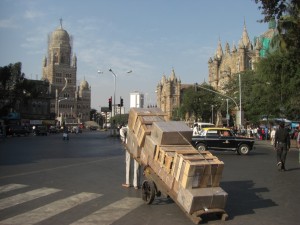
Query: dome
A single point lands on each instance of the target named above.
(60, 36)
(84, 85)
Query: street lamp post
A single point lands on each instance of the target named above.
(240, 90)
(115, 84)
(227, 115)
(239, 107)
(115, 88)
(212, 113)
(58, 106)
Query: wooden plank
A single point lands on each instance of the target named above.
(150, 146)
(142, 132)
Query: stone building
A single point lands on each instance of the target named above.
(70, 103)
(230, 62)
(169, 93)
(222, 67)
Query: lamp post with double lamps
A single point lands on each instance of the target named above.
(238, 107)
(115, 86)
(58, 108)
(115, 89)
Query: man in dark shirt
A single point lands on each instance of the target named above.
(282, 145)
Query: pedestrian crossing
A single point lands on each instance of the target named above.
(104, 215)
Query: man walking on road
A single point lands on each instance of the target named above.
(123, 135)
(282, 145)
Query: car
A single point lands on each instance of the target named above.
(222, 139)
(76, 130)
(17, 130)
(53, 130)
(40, 130)
(93, 127)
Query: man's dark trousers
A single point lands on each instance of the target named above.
(281, 154)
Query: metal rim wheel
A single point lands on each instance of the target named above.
(244, 149)
(148, 191)
(201, 147)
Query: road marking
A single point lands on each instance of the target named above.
(24, 197)
(61, 167)
(111, 213)
(49, 210)
(11, 187)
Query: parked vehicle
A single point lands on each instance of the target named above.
(76, 130)
(93, 127)
(222, 139)
(17, 130)
(40, 130)
(53, 130)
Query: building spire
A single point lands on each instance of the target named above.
(245, 37)
(60, 21)
(219, 52)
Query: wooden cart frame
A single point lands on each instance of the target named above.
(153, 187)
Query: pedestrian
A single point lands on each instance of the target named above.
(136, 166)
(272, 135)
(282, 145)
(195, 130)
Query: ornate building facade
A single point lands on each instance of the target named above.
(222, 67)
(230, 62)
(70, 103)
(169, 93)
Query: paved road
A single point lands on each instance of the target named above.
(44, 180)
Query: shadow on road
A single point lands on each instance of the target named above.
(243, 198)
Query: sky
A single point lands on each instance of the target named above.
(148, 37)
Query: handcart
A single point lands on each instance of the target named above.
(173, 167)
(153, 187)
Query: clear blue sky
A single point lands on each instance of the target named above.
(149, 37)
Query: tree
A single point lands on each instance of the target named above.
(197, 102)
(93, 112)
(121, 119)
(250, 108)
(11, 87)
(287, 14)
(280, 77)
(281, 70)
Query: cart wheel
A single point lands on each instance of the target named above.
(148, 191)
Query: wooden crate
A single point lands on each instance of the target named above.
(144, 157)
(147, 120)
(193, 200)
(165, 154)
(150, 146)
(200, 173)
(171, 133)
(178, 160)
(132, 144)
(143, 130)
(174, 148)
(135, 112)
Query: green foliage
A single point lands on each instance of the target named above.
(120, 119)
(93, 113)
(11, 87)
(287, 14)
(198, 102)
(278, 79)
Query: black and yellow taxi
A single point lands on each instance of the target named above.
(222, 139)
